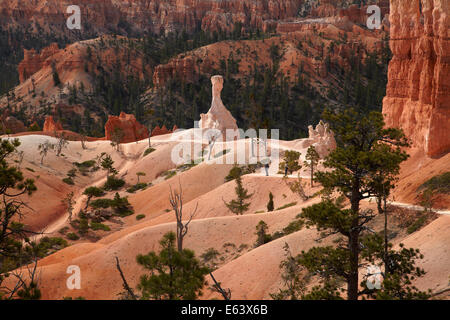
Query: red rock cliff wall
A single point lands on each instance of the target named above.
(33, 62)
(149, 15)
(418, 91)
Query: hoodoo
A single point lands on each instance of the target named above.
(51, 126)
(219, 117)
(131, 129)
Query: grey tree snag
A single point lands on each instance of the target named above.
(176, 201)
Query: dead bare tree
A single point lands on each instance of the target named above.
(61, 143)
(297, 187)
(83, 139)
(176, 201)
(116, 138)
(44, 148)
(20, 156)
(130, 293)
(226, 294)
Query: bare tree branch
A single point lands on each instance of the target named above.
(124, 281)
(226, 294)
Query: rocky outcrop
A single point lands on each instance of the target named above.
(33, 61)
(12, 125)
(418, 90)
(182, 69)
(77, 66)
(157, 131)
(127, 128)
(51, 126)
(322, 138)
(218, 117)
(145, 15)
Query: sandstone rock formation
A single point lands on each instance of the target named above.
(418, 90)
(33, 62)
(157, 131)
(51, 126)
(218, 117)
(181, 68)
(322, 138)
(130, 129)
(75, 69)
(145, 15)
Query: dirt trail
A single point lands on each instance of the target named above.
(413, 207)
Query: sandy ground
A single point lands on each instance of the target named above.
(250, 273)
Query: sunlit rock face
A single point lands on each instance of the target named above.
(131, 129)
(418, 90)
(51, 126)
(322, 138)
(218, 117)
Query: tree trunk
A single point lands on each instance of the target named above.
(180, 237)
(353, 281)
(149, 136)
(386, 246)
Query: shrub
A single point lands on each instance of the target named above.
(270, 205)
(292, 227)
(440, 183)
(68, 181)
(237, 171)
(148, 151)
(210, 254)
(85, 164)
(209, 258)
(138, 186)
(99, 226)
(63, 230)
(169, 174)
(287, 205)
(417, 224)
(187, 166)
(261, 233)
(112, 183)
(34, 127)
(101, 203)
(291, 158)
(234, 173)
(140, 217)
(121, 206)
(73, 236)
(83, 226)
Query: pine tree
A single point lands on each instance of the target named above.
(13, 233)
(270, 205)
(174, 275)
(312, 158)
(107, 164)
(261, 233)
(365, 150)
(291, 159)
(239, 206)
(92, 192)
